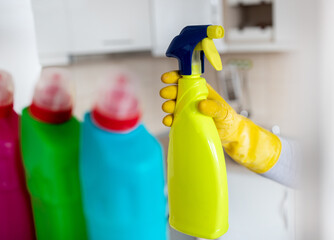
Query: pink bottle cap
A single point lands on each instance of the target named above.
(6, 93)
(52, 101)
(117, 106)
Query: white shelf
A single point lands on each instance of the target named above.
(250, 34)
(247, 2)
(277, 37)
(258, 48)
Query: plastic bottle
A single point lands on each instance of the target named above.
(121, 167)
(197, 184)
(50, 148)
(16, 221)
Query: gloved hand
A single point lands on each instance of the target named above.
(244, 141)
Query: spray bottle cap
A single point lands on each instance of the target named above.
(52, 101)
(6, 93)
(196, 38)
(117, 107)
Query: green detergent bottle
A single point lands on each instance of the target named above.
(50, 149)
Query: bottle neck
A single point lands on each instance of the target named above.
(6, 110)
(194, 76)
(49, 116)
(113, 124)
(196, 63)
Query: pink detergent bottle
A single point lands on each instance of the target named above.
(16, 221)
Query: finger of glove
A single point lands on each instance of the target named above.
(213, 95)
(171, 77)
(168, 106)
(212, 108)
(224, 118)
(168, 120)
(169, 92)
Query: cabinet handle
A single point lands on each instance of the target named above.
(284, 209)
(109, 42)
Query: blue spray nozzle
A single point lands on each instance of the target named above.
(183, 46)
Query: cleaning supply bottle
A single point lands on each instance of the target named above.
(50, 148)
(121, 168)
(16, 221)
(197, 184)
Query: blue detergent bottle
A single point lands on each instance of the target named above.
(121, 168)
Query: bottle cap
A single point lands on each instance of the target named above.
(117, 107)
(6, 93)
(52, 101)
(196, 39)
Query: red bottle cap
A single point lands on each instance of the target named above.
(117, 107)
(52, 101)
(6, 93)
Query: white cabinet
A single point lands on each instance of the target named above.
(102, 26)
(75, 27)
(169, 17)
(259, 208)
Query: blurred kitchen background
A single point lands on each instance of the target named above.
(268, 54)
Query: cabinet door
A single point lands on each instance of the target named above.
(109, 26)
(169, 17)
(259, 208)
(175, 235)
(51, 31)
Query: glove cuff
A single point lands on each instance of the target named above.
(253, 146)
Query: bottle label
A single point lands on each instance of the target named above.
(8, 165)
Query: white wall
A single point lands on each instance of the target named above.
(18, 53)
(326, 71)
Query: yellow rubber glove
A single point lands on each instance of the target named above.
(244, 141)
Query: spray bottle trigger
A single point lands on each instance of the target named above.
(211, 53)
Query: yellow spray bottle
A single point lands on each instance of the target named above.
(197, 183)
